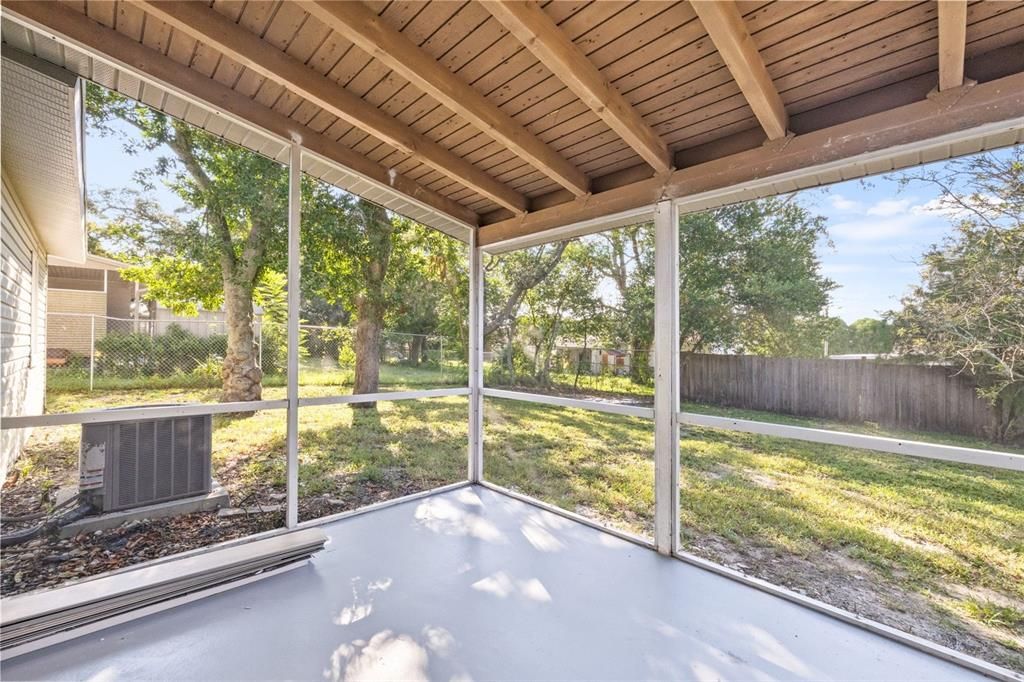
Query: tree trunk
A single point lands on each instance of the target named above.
(367, 347)
(1010, 408)
(241, 375)
(639, 368)
(416, 350)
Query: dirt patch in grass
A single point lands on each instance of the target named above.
(855, 586)
(355, 496)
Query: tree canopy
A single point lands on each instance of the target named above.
(361, 263)
(968, 309)
(750, 276)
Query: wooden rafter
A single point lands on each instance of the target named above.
(952, 42)
(220, 33)
(80, 30)
(991, 102)
(724, 24)
(528, 22)
(359, 24)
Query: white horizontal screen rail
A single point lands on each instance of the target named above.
(949, 453)
(595, 405)
(104, 416)
(383, 396)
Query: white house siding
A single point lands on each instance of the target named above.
(204, 323)
(71, 324)
(22, 322)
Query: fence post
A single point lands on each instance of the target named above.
(92, 349)
(259, 343)
(135, 312)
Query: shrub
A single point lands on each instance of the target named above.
(175, 351)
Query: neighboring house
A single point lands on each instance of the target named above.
(590, 359)
(43, 211)
(87, 300)
(595, 360)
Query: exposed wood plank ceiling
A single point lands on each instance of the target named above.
(724, 24)
(362, 26)
(532, 27)
(493, 113)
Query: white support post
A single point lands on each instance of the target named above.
(666, 378)
(476, 356)
(294, 271)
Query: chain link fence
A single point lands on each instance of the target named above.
(96, 352)
(328, 355)
(571, 369)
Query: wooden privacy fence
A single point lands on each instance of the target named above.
(913, 397)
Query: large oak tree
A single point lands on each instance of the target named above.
(968, 309)
(216, 255)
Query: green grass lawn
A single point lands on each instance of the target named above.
(926, 546)
(595, 464)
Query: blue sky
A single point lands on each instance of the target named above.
(108, 166)
(879, 230)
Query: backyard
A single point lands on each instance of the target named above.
(931, 548)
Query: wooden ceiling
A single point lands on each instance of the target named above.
(499, 111)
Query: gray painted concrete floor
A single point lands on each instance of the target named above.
(472, 584)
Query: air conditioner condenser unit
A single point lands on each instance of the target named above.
(138, 462)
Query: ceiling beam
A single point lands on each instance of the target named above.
(215, 30)
(952, 43)
(359, 24)
(993, 102)
(724, 24)
(531, 25)
(81, 31)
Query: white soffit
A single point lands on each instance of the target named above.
(42, 155)
(136, 86)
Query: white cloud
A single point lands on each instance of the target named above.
(876, 230)
(952, 209)
(841, 203)
(842, 268)
(890, 207)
